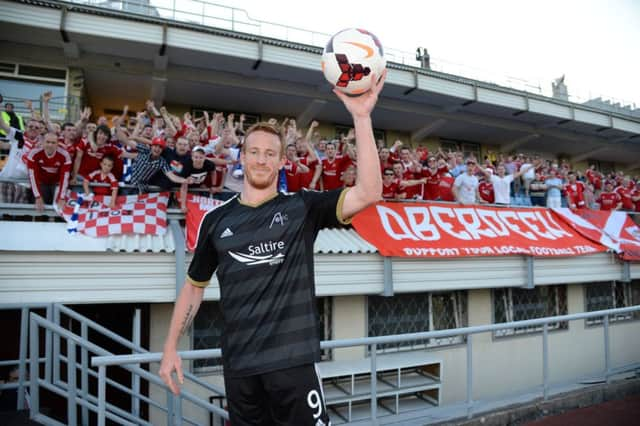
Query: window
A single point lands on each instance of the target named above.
(468, 149)
(610, 295)
(414, 313)
(207, 333)
(518, 304)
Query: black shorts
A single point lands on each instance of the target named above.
(292, 396)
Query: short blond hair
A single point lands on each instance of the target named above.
(263, 126)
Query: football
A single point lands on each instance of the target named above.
(350, 58)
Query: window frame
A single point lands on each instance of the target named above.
(627, 292)
(559, 291)
(460, 318)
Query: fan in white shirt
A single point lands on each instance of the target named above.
(502, 183)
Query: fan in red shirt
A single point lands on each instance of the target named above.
(386, 161)
(434, 170)
(485, 189)
(48, 166)
(594, 177)
(31, 136)
(390, 188)
(332, 168)
(308, 157)
(635, 196)
(625, 193)
(293, 168)
(446, 187)
(608, 199)
(103, 176)
(575, 192)
(91, 151)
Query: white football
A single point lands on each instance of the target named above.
(350, 58)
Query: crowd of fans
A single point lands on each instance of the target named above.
(503, 180)
(156, 150)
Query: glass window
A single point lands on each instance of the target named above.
(518, 304)
(414, 313)
(611, 295)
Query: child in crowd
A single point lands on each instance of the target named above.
(103, 176)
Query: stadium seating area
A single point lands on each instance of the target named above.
(201, 154)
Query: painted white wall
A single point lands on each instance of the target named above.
(160, 316)
(349, 322)
(501, 366)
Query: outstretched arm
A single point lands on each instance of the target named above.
(368, 188)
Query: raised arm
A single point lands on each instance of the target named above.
(522, 171)
(368, 187)
(46, 97)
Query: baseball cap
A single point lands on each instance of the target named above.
(198, 148)
(159, 141)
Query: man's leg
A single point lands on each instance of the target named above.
(246, 401)
(296, 397)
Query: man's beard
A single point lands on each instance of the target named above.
(263, 182)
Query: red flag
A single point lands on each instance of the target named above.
(197, 207)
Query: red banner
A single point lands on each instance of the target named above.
(451, 230)
(197, 207)
(614, 229)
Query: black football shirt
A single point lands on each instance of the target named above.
(263, 259)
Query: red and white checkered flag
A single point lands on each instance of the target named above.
(134, 214)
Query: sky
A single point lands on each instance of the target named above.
(595, 44)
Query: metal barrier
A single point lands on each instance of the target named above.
(61, 108)
(21, 362)
(54, 358)
(126, 361)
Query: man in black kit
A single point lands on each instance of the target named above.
(260, 245)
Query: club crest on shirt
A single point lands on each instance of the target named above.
(278, 219)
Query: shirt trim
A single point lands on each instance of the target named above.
(342, 220)
(266, 200)
(201, 284)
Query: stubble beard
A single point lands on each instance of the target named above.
(260, 183)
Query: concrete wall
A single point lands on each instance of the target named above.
(501, 366)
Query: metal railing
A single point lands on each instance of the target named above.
(61, 108)
(210, 14)
(129, 361)
(21, 362)
(56, 355)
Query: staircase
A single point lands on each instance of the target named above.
(65, 389)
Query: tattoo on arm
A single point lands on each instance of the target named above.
(186, 322)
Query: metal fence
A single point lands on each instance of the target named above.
(175, 417)
(61, 108)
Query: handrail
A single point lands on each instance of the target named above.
(102, 362)
(38, 321)
(364, 341)
(210, 14)
(128, 344)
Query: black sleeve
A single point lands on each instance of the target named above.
(205, 257)
(324, 209)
